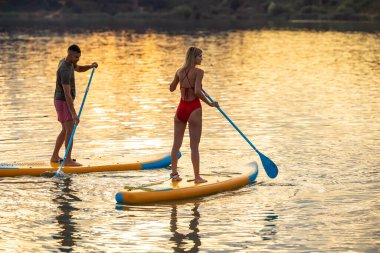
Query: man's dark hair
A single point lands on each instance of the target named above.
(74, 48)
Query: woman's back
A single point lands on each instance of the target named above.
(187, 79)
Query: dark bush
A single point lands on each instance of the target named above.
(309, 9)
(154, 4)
(183, 11)
(275, 9)
(235, 4)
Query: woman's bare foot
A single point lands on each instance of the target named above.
(71, 163)
(175, 177)
(56, 159)
(200, 180)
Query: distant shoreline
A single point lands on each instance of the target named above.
(46, 20)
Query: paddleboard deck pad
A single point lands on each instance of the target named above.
(147, 162)
(169, 191)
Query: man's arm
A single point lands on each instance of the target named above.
(86, 67)
(70, 102)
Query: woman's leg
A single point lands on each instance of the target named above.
(179, 131)
(195, 131)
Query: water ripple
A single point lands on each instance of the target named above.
(309, 100)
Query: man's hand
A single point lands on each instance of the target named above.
(94, 65)
(75, 119)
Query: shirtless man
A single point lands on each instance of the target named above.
(64, 96)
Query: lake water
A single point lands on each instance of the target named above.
(309, 100)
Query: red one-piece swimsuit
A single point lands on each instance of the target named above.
(185, 107)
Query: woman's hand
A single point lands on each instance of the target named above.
(214, 104)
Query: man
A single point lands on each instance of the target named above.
(64, 96)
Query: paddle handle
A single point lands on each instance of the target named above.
(232, 123)
(75, 125)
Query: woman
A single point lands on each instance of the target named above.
(189, 110)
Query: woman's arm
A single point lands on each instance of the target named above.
(198, 89)
(174, 83)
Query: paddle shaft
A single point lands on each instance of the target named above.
(269, 166)
(232, 123)
(75, 125)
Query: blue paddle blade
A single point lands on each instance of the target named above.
(269, 166)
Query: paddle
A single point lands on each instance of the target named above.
(269, 166)
(59, 171)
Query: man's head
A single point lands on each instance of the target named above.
(73, 54)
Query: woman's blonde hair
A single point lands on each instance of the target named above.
(192, 52)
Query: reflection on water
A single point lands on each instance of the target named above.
(64, 200)
(182, 240)
(185, 220)
(306, 99)
(269, 231)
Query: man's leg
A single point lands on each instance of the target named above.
(69, 127)
(58, 144)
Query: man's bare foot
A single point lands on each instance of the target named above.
(72, 163)
(200, 180)
(56, 159)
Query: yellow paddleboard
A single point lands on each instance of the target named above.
(37, 169)
(184, 189)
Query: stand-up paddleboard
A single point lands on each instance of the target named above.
(37, 169)
(184, 189)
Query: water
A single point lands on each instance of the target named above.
(309, 100)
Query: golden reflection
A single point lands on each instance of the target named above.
(281, 75)
(308, 99)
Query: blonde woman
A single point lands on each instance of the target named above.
(189, 110)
